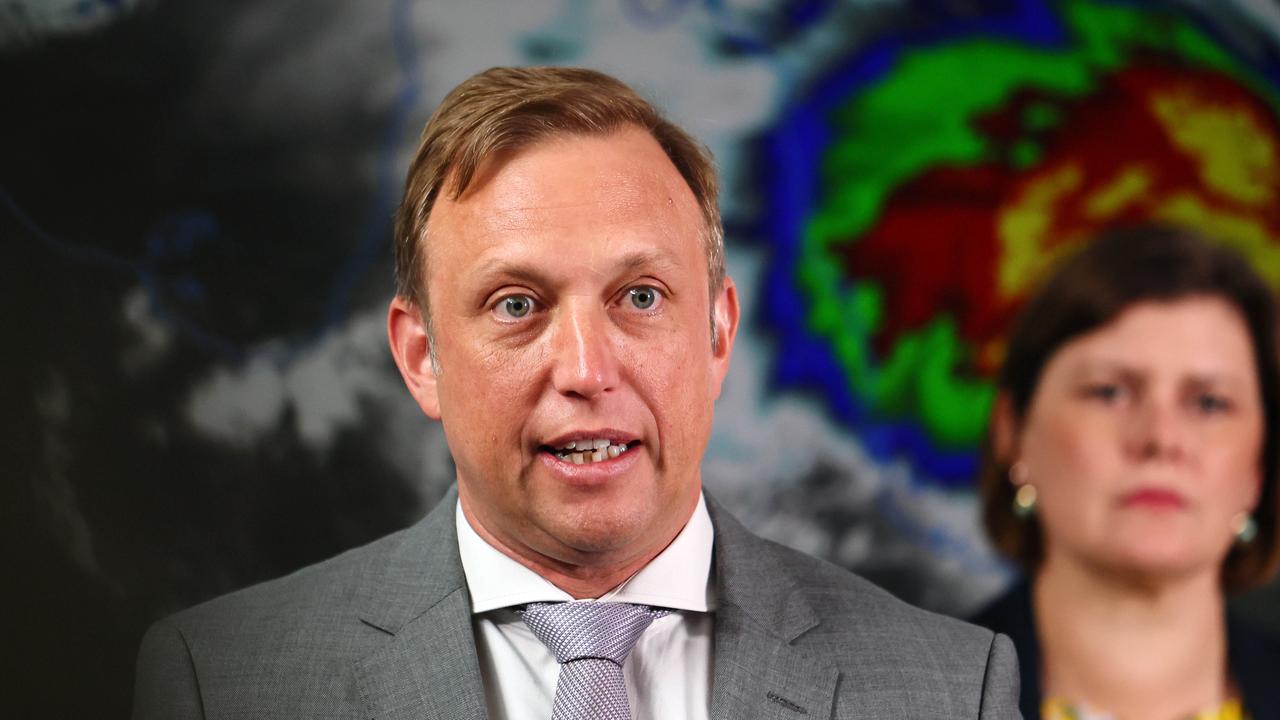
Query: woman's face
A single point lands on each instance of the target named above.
(1143, 439)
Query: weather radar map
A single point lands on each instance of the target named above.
(922, 190)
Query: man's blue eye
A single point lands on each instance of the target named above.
(516, 306)
(644, 297)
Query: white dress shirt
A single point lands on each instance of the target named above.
(668, 673)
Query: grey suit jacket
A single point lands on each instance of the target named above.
(384, 631)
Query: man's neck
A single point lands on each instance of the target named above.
(587, 575)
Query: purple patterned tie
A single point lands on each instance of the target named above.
(590, 640)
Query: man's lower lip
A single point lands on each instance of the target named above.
(588, 473)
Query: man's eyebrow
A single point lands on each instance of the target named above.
(640, 259)
(505, 268)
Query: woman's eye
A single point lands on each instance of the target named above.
(1209, 404)
(1106, 392)
(644, 297)
(514, 307)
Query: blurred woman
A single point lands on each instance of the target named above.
(1131, 469)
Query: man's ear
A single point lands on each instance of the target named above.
(1004, 429)
(725, 313)
(411, 348)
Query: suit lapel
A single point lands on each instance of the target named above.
(427, 667)
(758, 673)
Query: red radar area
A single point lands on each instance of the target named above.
(1152, 142)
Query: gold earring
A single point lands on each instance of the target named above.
(1244, 527)
(1024, 500)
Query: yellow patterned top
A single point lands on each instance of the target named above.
(1055, 709)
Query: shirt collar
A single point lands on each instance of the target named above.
(678, 578)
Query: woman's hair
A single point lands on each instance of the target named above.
(1121, 268)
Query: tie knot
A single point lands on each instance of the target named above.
(588, 629)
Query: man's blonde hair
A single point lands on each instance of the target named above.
(505, 109)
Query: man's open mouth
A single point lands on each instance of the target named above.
(583, 452)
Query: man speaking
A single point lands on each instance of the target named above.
(562, 308)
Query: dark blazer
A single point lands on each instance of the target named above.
(385, 631)
(1252, 654)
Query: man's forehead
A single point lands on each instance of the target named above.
(614, 204)
(617, 183)
(496, 263)
(624, 170)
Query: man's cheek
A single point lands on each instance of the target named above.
(676, 372)
(502, 365)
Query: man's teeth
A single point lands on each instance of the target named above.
(582, 452)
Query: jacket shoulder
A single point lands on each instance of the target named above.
(1253, 653)
(318, 592)
(286, 647)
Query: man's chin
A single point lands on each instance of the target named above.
(601, 535)
(596, 538)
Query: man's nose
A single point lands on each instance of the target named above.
(1157, 430)
(583, 353)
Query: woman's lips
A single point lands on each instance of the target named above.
(1154, 498)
